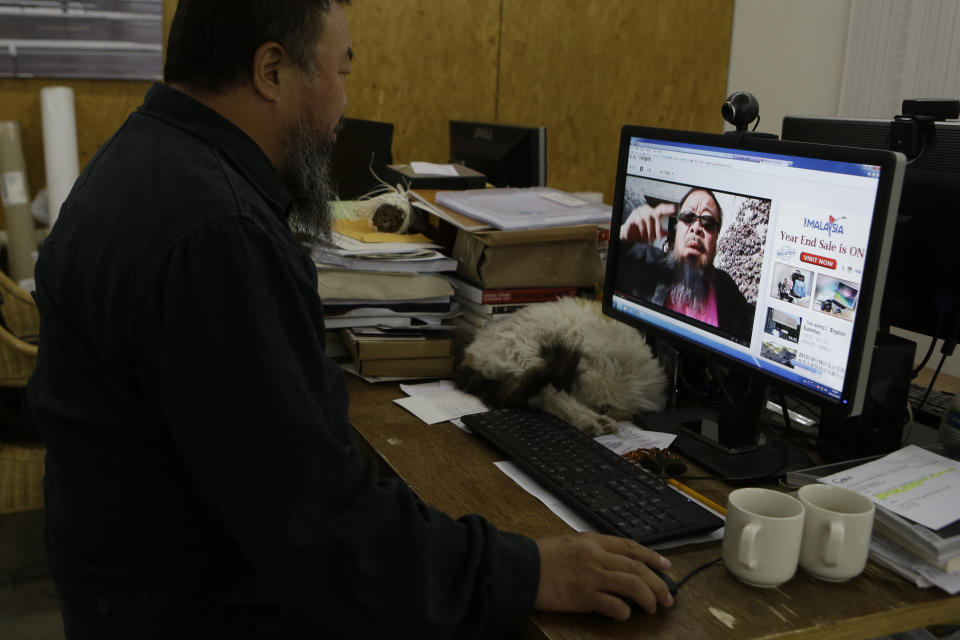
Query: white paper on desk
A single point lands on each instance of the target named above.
(428, 388)
(912, 482)
(433, 169)
(441, 407)
(630, 437)
(566, 514)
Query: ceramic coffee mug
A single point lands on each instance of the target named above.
(761, 541)
(836, 532)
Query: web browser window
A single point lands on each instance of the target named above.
(756, 255)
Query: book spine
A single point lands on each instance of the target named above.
(489, 309)
(518, 295)
(501, 296)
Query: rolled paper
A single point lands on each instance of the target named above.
(15, 195)
(59, 145)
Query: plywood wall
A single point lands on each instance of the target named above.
(101, 107)
(583, 69)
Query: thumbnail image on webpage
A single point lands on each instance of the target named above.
(693, 253)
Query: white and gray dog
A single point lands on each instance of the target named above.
(568, 359)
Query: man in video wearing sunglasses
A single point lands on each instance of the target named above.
(675, 269)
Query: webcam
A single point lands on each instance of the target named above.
(740, 109)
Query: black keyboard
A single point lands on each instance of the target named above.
(933, 408)
(614, 494)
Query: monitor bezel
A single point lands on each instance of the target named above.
(880, 239)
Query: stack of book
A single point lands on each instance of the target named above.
(481, 307)
(939, 548)
(383, 281)
(377, 353)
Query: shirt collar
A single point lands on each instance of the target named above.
(245, 155)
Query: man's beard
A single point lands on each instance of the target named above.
(691, 284)
(307, 169)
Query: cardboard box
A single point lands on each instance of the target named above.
(412, 367)
(553, 257)
(389, 348)
(466, 178)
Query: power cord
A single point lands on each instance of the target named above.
(687, 577)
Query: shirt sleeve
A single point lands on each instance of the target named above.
(232, 342)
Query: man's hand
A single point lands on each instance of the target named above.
(587, 572)
(644, 223)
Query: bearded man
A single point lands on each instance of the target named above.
(681, 275)
(201, 478)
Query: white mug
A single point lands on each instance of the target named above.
(761, 541)
(836, 533)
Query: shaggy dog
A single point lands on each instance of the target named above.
(568, 359)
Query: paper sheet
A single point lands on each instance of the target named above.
(440, 407)
(912, 482)
(630, 437)
(428, 388)
(433, 169)
(565, 513)
(911, 567)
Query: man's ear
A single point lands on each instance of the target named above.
(268, 62)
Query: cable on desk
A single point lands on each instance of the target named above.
(687, 577)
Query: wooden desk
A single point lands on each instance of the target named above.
(453, 471)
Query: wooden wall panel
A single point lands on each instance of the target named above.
(584, 69)
(421, 63)
(581, 69)
(101, 107)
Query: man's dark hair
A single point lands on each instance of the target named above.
(212, 42)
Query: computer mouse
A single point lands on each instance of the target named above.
(671, 585)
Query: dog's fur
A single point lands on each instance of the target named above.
(568, 359)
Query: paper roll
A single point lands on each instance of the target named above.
(59, 145)
(15, 195)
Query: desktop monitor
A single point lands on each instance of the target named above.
(509, 155)
(362, 149)
(762, 258)
(922, 292)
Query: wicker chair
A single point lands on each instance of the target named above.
(21, 464)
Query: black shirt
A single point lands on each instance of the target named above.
(197, 436)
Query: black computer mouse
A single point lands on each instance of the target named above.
(671, 585)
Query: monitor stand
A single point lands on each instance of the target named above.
(727, 440)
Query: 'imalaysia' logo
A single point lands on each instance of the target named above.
(831, 225)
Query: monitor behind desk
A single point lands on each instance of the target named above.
(361, 145)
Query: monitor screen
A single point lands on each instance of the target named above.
(765, 255)
(509, 155)
(921, 295)
(362, 150)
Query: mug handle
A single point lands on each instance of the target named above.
(748, 538)
(831, 552)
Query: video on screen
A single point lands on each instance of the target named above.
(695, 252)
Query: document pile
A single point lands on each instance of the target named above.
(388, 281)
(916, 529)
(502, 271)
(481, 307)
(510, 209)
